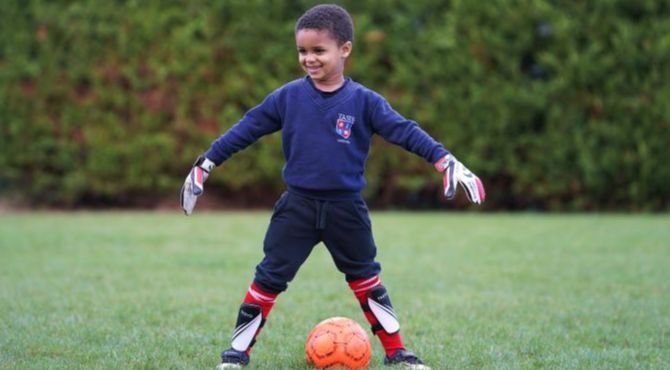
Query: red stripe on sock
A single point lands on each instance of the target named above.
(260, 297)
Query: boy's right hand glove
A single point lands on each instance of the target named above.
(194, 184)
(454, 173)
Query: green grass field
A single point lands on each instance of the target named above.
(150, 291)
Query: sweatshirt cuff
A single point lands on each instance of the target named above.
(213, 155)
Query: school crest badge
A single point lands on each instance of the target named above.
(344, 124)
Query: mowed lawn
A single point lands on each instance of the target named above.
(473, 291)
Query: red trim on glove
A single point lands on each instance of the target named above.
(440, 165)
(480, 188)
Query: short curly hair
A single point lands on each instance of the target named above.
(328, 17)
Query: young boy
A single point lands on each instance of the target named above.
(327, 122)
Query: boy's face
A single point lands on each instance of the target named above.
(321, 58)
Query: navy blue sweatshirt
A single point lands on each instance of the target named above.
(325, 137)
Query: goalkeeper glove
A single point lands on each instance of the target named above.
(194, 184)
(454, 173)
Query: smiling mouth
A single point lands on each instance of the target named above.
(312, 69)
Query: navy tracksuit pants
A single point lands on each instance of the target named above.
(299, 223)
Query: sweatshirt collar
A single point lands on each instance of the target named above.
(326, 100)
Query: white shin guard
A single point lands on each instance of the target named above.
(380, 306)
(249, 321)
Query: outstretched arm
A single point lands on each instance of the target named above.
(396, 129)
(259, 121)
(406, 133)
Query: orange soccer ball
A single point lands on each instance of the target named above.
(338, 342)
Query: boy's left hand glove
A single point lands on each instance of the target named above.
(454, 173)
(194, 184)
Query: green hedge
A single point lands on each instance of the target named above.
(557, 105)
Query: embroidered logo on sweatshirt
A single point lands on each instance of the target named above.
(343, 126)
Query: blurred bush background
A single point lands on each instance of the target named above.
(557, 105)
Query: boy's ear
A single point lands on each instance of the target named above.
(346, 49)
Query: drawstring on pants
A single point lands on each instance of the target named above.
(321, 213)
